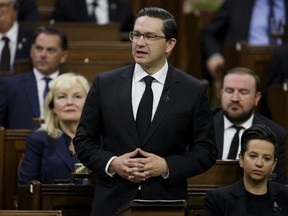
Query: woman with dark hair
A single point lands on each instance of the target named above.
(254, 194)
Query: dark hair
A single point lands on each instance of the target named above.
(242, 70)
(53, 31)
(169, 23)
(257, 131)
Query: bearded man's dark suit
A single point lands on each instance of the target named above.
(76, 11)
(278, 131)
(230, 25)
(181, 132)
(19, 101)
(231, 200)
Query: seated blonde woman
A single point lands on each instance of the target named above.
(50, 154)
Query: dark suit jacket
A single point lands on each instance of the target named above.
(27, 11)
(231, 200)
(46, 159)
(229, 25)
(181, 132)
(76, 11)
(24, 42)
(279, 132)
(19, 101)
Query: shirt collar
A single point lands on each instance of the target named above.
(159, 76)
(12, 33)
(246, 124)
(39, 76)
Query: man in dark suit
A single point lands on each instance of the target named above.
(19, 37)
(245, 20)
(21, 96)
(80, 11)
(154, 163)
(240, 94)
(254, 194)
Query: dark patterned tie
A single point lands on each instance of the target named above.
(235, 143)
(5, 55)
(46, 88)
(144, 112)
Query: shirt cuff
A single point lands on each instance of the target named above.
(107, 167)
(165, 177)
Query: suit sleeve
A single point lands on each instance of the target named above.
(3, 102)
(87, 141)
(214, 32)
(212, 206)
(201, 153)
(31, 165)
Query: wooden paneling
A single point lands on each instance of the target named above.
(278, 103)
(85, 31)
(72, 200)
(46, 9)
(29, 213)
(88, 70)
(256, 58)
(12, 149)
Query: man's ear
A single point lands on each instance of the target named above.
(240, 160)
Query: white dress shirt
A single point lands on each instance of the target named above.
(12, 34)
(138, 88)
(40, 86)
(101, 11)
(229, 133)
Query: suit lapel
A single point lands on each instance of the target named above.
(30, 89)
(167, 97)
(125, 103)
(238, 199)
(61, 149)
(219, 132)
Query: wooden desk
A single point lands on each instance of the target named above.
(153, 208)
(72, 200)
(65, 197)
(29, 213)
(12, 149)
(222, 173)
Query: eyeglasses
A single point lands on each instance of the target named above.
(4, 6)
(148, 37)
